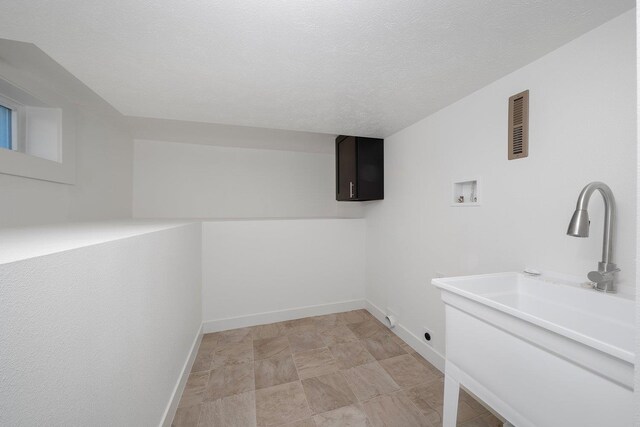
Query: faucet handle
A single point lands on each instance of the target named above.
(603, 280)
(602, 276)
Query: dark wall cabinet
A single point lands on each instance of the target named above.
(359, 168)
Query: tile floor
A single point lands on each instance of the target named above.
(343, 369)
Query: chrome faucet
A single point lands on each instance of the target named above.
(603, 278)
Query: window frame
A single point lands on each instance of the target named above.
(16, 118)
(16, 161)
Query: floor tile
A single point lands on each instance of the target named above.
(487, 420)
(194, 390)
(210, 414)
(432, 395)
(394, 410)
(269, 347)
(466, 411)
(281, 404)
(238, 410)
(314, 363)
(230, 380)
(370, 380)
(234, 336)
(407, 371)
(348, 416)
(368, 315)
(397, 339)
(382, 347)
(328, 392)
(275, 370)
(422, 398)
(307, 324)
(406, 347)
(368, 328)
(232, 354)
(203, 360)
(270, 330)
(328, 321)
(303, 341)
(209, 342)
(477, 406)
(425, 363)
(355, 316)
(187, 417)
(338, 335)
(351, 354)
(307, 422)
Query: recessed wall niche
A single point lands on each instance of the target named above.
(466, 193)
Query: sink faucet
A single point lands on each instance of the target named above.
(603, 278)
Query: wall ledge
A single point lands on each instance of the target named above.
(22, 243)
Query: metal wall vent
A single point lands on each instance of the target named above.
(519, 125)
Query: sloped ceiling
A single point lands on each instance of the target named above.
(365, 67)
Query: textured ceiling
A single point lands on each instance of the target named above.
(366, 67)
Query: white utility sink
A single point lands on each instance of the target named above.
(541, 350)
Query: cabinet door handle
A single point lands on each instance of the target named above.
(351, 190)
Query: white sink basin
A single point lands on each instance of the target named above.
(540, 350)
(602, 321)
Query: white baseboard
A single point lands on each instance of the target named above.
(170, 411)
(216, 325)
(429, 353)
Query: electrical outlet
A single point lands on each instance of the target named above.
(427, 335)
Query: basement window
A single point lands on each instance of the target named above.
(33, 129)
(8, 119)
(31, 135)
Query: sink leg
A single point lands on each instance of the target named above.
(451, 393)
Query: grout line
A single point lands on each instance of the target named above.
(255, 390)
(199, 414)
(304, 393)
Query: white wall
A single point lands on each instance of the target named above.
(184, 180)
(103, 148)
(99, 335)
(254, 268)
(637, 347)
(103, 184)
(583, 115)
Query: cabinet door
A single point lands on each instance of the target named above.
(370, 169)
(346, 169)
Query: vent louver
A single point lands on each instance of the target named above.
(519, 125)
